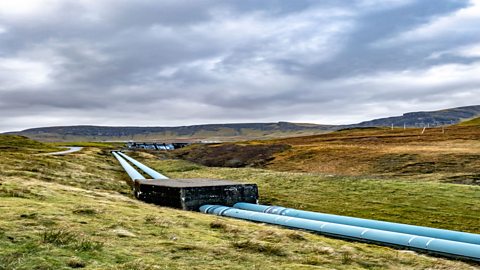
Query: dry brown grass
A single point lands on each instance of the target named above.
(451, 154)
(383, 151)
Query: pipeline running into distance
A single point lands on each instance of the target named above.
(395, 239)
(134, 174)
(154, 174)
(366, 223)
(351, 228)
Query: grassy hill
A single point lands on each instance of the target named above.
(76, 211)
(472, 122)
(16, 142)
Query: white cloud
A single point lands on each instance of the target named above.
(25, 8)
(460, 23)
(22, 73)
(376, 5)
(393, 93)
(384, 94)
(419, 82)
(468, 51)
(310, 36)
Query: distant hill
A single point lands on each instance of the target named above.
(235, 132)
(421, 119)
(214, 132)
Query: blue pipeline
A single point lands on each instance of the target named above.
(366, 223)
(134, 174)
(415, 242)
(154, 174)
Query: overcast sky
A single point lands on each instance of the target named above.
(182, 62)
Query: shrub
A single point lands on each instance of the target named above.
(66, 238)
(218, 225)
(85, 211)
(76, 263)
(59, 237)
(256, 246)
(16, 192)
(85, 244)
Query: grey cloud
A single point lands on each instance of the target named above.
(185, 62)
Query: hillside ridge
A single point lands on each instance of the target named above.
(194, 132)
(240, 131)
(424, 118)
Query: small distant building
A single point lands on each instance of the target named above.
(155, 146)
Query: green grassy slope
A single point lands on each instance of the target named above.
(16, 142)
(441, 205)
(472, 122)
(76, 211)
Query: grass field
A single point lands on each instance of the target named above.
(449, 206)
(450, 154)
(76, 211)
(445, 155)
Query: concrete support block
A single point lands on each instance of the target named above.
(190, 194)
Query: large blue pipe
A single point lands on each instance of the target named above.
(415, 242)
(154, 174)
(367, 223)
(134, 174)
